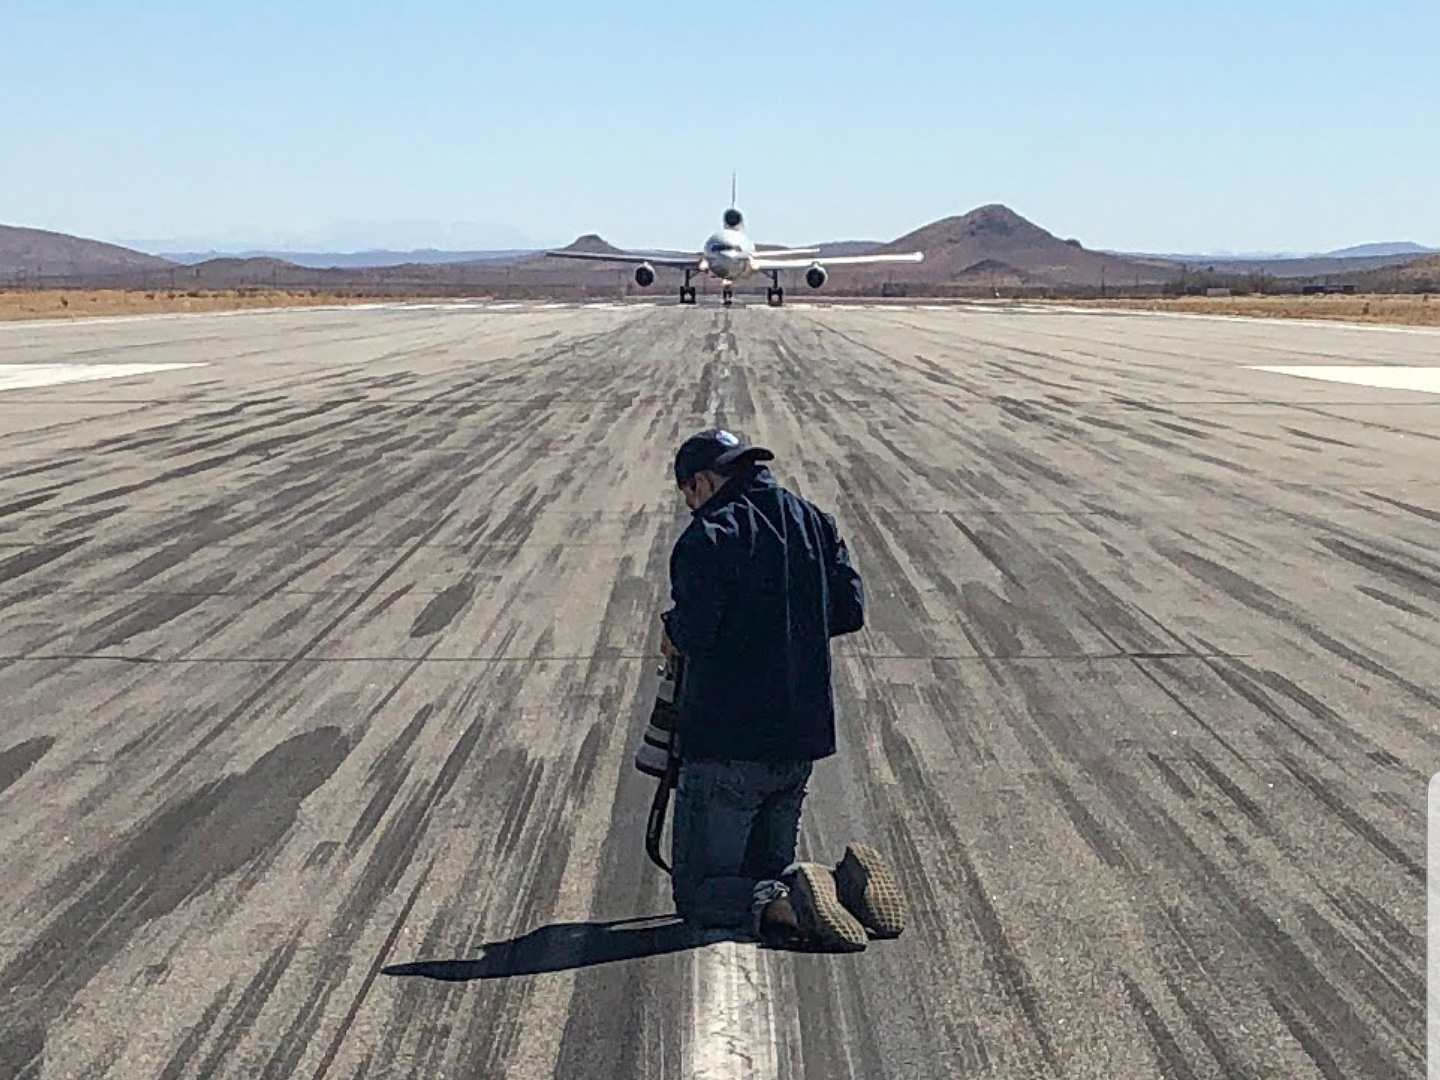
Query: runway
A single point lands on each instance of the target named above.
(323, 658)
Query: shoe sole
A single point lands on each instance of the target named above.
(823, 919)
(870, 891)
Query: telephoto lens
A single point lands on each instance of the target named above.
(653, 757)
(659, 754)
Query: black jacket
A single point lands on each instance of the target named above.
(761, 582)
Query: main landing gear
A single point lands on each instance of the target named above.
(775, 295)
(687, 291)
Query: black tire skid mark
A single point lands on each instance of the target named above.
(186, 848)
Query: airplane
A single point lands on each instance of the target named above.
(731, 256)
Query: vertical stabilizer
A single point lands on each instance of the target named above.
(732, 218)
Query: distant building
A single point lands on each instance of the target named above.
(1321, 290)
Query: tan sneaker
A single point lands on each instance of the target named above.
(867, 886)
(823, 920)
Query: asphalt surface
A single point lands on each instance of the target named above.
(322, 665)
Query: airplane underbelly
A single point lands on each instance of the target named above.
(728, 268)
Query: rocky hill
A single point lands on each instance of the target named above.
(994, 240)
(40, 253)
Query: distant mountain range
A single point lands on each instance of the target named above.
(1395, 247)
(989, 246)
(1295, 265)
(1388, 249)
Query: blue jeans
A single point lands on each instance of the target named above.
(736, 823)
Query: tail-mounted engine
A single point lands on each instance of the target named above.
(733, 218)
(644, 275)
(816, 276)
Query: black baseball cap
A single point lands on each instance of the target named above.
(714, 449)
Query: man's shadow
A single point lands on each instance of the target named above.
(567, 946)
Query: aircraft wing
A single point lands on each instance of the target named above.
(685, 262)
(785, 253)
(763, 263)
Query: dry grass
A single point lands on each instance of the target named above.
(1399, 310)
(56, 303)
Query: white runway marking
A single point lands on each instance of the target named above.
(1381, 377)
(732, 1022)
(30, 376)
(168, 316)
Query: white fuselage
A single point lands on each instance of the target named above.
(729, 255)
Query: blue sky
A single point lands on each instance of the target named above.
(1156, 126)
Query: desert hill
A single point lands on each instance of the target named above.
(538, 263)
(838, 248)
(1420, 275)
(996, 240)
(230, 272)
(40, 253)
(592, 242)
(234, 264)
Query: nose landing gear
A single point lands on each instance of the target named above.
(727, 295)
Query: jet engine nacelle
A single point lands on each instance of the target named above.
(816, 276)
(733, 219)
(644, 275)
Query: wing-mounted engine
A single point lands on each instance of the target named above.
(734, 219)
(644, 275)
(816, 276)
